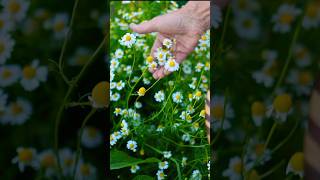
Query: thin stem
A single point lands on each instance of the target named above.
(272, 170)
(271, 132)
(287, 138)
(75, 104)
(79, 139)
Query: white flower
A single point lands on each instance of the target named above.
(128, 40)
(9, 74)
(163, 165)
(161, 175)
(177, 97)
(234, 170)
(59, 25)
(91, 137)
(113, 139)
(159, 96)
(216, 16)
(247, 26)
(48, 161)
(153, 65)
(134, 168)
(6, 47)
(32, 75)
(120, 85)
(6, 23)
(196, 175)
(67, 159)
(312, 16)
(256, 151)
(302, 55)
(295, 164)
(80, 57)
(184, 161)
(85, 171)
(167, 43)
(281, 107)
(114, 96)
(26, 157)
(114, 64)
(218, 113)
(118, 54)
(186, 137)
(167, 154)
(171, 65)
(17, 9)
(132, 145)
(161, 56)
(284, 17)
(18, 112)
(301, 80)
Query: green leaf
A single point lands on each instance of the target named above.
(119, 159)
(143, 177)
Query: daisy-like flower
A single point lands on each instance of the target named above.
(184, 161)
(58, 24)
(171, 65)
(234, 170)
(186, 116)
(218, 113)
(5, 22)
(118, 54)
(247, 26)
(134, 168)
(163, 165)
(312, 16)
(149, 60)
(197, 95)
(258, 112)
(18, 112)
(6, 47)
(67, 159)
(99, 96)
(177, 97)
(301, 80)
(284, 17)
(161, 175)
(114, 64)
(167, 154)
(153, 65)
(167, 43)
(128, 40)
(204, 44)
(256, 151)
(9, 74)
(296, 164)
(91, 137)
(199, 67)
(216, 16)
(302, 55)
(26, 157)
(80, 57)
(16, 9)
(244, 6)
(48, 162)
(120, 85)
(132, 145)
(281, 107)
(196, 175)
(32, 75)
(142, 91)
(114, 96)
(161, 56)
(85, 171)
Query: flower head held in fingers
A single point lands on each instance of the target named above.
(100, 95)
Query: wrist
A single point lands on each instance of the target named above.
(199, 10)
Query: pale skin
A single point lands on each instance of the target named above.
(185, 25)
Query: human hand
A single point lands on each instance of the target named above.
(185, 25)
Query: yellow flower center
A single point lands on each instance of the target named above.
(85, 169)
(160, 56)
(149, 59)
(259, 149)
(258, 109)
(92, 132)
(286, 18)
(14, 7)
(48, 161)
(172, 63)
(68, 162)
(304, 78)
(272, 70)
(142, 152)
(301, 53)
(142, 91)
(247, 23)
(254, 175)
(202, 113)
(204, 37)
(100, 94)
(196, 125)
(16, 109)
(131, 146)
(128, 38)
(282, 103)
(242, 4)
(198, 93)
(59, 26)
(190, 96)
(312, 11)
(178, 97)
(1, 23)
(25, 155)
(6, 73)
(2, 47)
(237, 167)
(29, 72)
(217, 112)
(296, 161)
(83, 59)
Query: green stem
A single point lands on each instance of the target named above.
(271, 132)
(78, 152)
(272, 170)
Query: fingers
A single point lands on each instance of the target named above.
(160, 73)
(146, 27)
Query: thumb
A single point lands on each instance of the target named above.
(145, 27)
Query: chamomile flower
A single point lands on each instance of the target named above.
(219, 112)
(256, 151)
(199, 67)
(186, 116)
(118, 54)
(128, 40)
(32, 75)
(153, 65)
(6, 47)
(163, 165)
(281, 107)
(120, 85)
(25, 157)
(9, 74)
(284, 18)
(296, 164)
(58, 24)
(85, 171)
(216, 16)
(171, 65)
(167, 43)
(134, 168)
(16, 9)
(149, 60)
(5, 22)
(18, 111)
(161, 56)
(48, 161)
(244, 6)
(258, 112)
(247, 26)
(161, 175)
(167, 154)
(99, 96)
(301, 80)
(142, 91)
(196, 175)
(301, 55)
(114, 64)
(234, 171)
(184, 161)
(67, 159)
(177, 97)
(91, 137)
(114, 96)
(312, 16)
(132, 145)
(80, 57)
